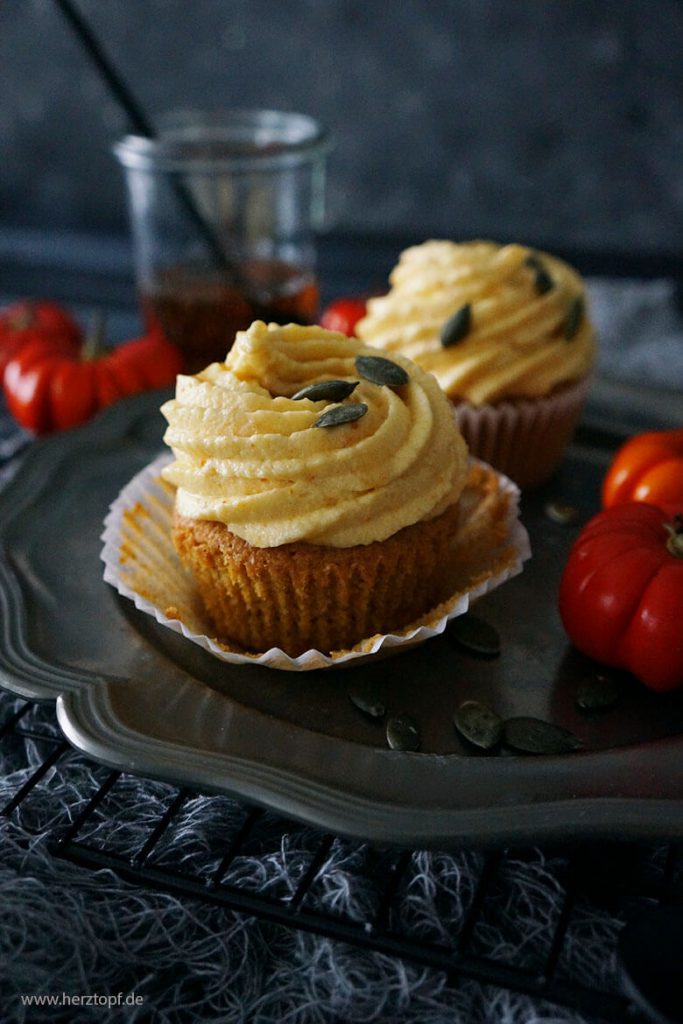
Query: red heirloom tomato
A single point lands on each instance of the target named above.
(649, 467)
(52, 384)
(30, 319)
(621, 594)
(343, 314)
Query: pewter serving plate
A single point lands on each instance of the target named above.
(141, 698)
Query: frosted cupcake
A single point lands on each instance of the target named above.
(506, 332)
(317, 488)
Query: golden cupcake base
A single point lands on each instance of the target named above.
(300, 596)
(485, 544)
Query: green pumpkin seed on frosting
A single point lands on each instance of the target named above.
(574, 317)
(457, 326)
(379, 370)
(339, 414)
(543, 282)
(327, 391)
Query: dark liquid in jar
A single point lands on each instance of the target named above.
(200, 311)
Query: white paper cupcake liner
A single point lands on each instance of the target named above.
(141, 563)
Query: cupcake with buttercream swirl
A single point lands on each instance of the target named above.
(317, 486)
(506, 331)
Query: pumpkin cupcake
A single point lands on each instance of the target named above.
(317, 488)
(506, 332)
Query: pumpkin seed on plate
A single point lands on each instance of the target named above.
(339, 414)
(457, 326)
(478, 724)
(561, 513)
(327, 391)
(535, 736)
(475, 635)
(403, 733)
(379, 370)
(597, 694)
(369, 699)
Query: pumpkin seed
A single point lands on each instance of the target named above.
(457, 326)
(339, 414)
(534, 736)
(368, 699)
(597, 694)
(561, 513)
(476, 635)
(479, 724)
(543, 282)
(403, 733)
(379, 370)
(327, 391)
(574, 317)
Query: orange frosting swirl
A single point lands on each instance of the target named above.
(249, 455)
(528, 327)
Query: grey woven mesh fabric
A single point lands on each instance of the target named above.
(75, 931)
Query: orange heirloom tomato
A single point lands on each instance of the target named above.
(621, 593)
(649, 467)
(30, 319)
(343, 314)
(51, 384)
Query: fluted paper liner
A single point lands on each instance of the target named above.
(141, 563)
(524, 439)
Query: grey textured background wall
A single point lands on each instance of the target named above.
(557, 120)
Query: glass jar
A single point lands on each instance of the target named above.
(224, 209)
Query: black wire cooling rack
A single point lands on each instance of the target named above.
(620, 876)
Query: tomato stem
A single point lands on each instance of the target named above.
(674, 541)
(94, 345)
(24, 318)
